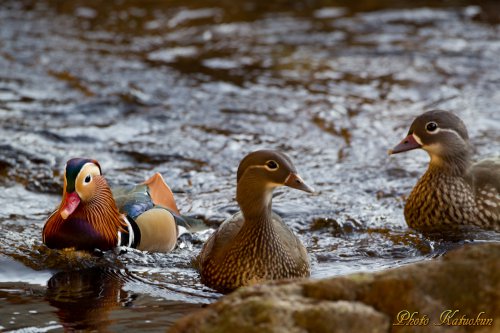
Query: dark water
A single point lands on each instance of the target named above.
(187, 88)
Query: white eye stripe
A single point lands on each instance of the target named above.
(88, 170)
(417, 139)
(439, 129)
(261, 167)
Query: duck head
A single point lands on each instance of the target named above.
(443, 136)
(87, 217)
(270, 169)
(259, 173)
(81, 183)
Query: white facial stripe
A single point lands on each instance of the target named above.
(436, 132)
(446, 130)
(257, 167)
(252, 167)
(271, 185)
(263, 167)
(87, 169)
(417, 139)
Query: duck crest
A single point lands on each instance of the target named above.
(73, 168)
(94, 224)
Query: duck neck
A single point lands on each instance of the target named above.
(105, 218)
(255, 201)
(455, 166)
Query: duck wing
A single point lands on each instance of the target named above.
(486, 174)
(219, 240)
(290, 242)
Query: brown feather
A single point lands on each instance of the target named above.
(101, 212)
(52, 225)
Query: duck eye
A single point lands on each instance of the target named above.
(431, 126)
(272, 165)
(87, 179)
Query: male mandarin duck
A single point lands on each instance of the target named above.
(454, 191)
(88, 218)
(255, 244)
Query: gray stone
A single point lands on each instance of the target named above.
(467, 280)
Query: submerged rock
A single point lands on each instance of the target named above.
(459, 292)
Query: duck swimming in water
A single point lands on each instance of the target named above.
(255, 245)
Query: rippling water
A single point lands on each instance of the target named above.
(187, 89)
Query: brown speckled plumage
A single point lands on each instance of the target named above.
(442, 199)
(453, 192)
(255, 245)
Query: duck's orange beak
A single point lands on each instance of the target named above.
(70, 202)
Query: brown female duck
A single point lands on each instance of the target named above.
(453, 192)
(254, 244)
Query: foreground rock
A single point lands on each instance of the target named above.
(467, 280)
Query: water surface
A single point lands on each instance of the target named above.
(187, 89)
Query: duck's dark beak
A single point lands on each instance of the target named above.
(70, 202)
(408, 143)
(295, 181)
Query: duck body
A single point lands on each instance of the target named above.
(442, 199)
(453, 192)
(286, 256)
(255, 245)
(90, 218)
(154, 220)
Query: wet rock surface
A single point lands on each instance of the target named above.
(466, 279)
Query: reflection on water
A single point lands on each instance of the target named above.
(85, 298)
(187, 89)
(92, 299)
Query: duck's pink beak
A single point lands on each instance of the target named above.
(408, 143)
(70, 202)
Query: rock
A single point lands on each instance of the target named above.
(267, 311)
(467, 280)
